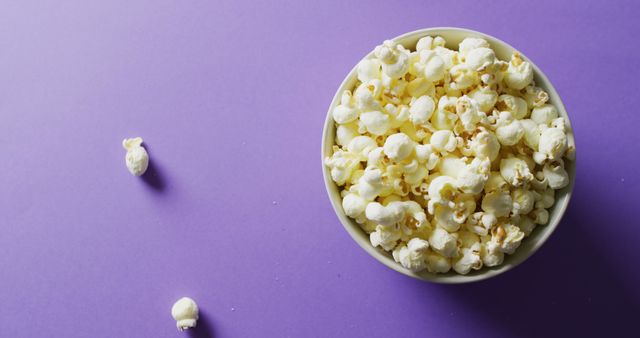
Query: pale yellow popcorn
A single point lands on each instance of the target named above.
(555, 175)
(468, 113)
(515, 105)
(480, 59)
(375, 122)
(469, 44)
(485, 97)
(369, 69)
(519, 74)
(385, 237)
(443, 242)
(509, 131)
(498, 203)
(421, 110)
(342, 164)
(485, 145)
(413, 255)
(353, 205)
(515, 171)
(443, 141)
(398, 146)
(137, 158)
(523, 201)
(463, 77)
(429, 42)
(430, 65)
(553, 143)
(394, 59)
(437, 263)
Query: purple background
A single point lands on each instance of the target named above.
(230, 98)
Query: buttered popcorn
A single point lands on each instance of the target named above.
(448, 159)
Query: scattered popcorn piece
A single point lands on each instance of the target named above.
(137, 158)
(185, 312)
(448, 159)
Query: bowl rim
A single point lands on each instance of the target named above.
(511, 261)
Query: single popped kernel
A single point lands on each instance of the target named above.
(137, 158)
(185, 312)
(448, 159)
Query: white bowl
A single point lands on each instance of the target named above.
(530, 245)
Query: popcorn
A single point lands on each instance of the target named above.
(413, 255)
(556, 176)
(448, 159)
(523, 201)
(369, 69)
(485, 97)
(353, 205)
(444, 117)
(362, 146)
(437, 264)
(398, 146)
(515, 171)
(553, 143)
(535, 96)
(544, 114)
(342, 164)
(385, 237)
(430, 65)
(473, 177)
(463, 77)
(421, 86)
(345, 133)
(443, 141)
(540, 216)
(519, 74)
(443, 242)
(137, 158)
(470, 259)
(345, 112)
(485, 145)
(490, 253)
(394, 59)
(370, 184)
(498, 203)
(512, 238)
(442, 190)
(375, 122)
(429, 42)
(531, 133)
(469, 44)
(515, 105)
(510, 131)
(185, 312)
(367, 94)
(479, 59)
(427, 155)
(468, 113)
(421, 110)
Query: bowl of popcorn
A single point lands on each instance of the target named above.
(448, 155)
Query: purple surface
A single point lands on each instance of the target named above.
(230, 97)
